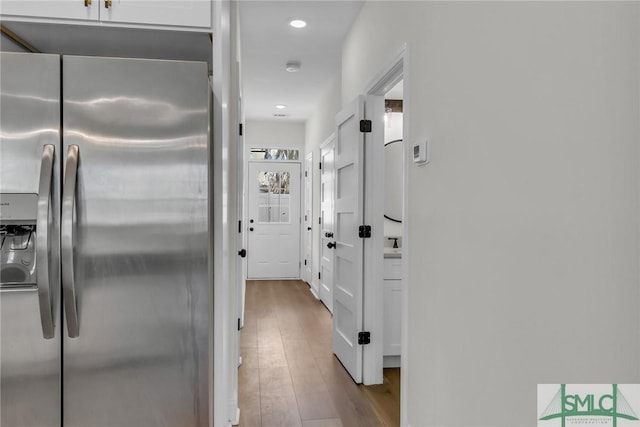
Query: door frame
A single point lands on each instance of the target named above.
(394, 70)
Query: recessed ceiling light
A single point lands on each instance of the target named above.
(298, 23)
(293, 66)
(281, 106)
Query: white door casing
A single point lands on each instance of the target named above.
(327, 190)
(274, 220)
(307, 226)
(348, 216)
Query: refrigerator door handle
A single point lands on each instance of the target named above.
(66, 237)
(43, 241)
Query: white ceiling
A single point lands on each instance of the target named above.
(268, 43)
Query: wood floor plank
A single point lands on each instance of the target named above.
(335, 422)
(276, 382)
(249, 356)
(316, 405)
(249, 397)
(280, 411)
(290, 377)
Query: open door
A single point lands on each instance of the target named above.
(307, 274)
(348, 246)
(327, 189)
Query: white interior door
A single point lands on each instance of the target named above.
(327, 190)
(348, 216)
(307, 228)
(274, 220)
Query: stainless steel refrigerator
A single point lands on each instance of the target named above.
(104, 287)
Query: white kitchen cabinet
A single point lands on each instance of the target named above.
(175, 12)
(56, 9)
(392, 309)
(194, 14)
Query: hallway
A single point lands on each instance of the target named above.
(289, 376)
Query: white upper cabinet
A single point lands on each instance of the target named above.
(56, 9)
(175, 13)
(165, 13)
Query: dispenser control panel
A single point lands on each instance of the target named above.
(18, 208)
(18, 212)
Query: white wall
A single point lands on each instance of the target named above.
(524, 264)
(318, 128)
(274, 134)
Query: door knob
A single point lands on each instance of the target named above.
(243, 253)
(328, 235)
(308, 228)
(331, 245)
(251, 229)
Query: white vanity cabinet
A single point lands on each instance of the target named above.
(175, 13)
(392, 311)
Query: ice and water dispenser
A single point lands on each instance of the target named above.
(18, 239)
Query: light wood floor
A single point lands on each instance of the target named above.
(289, 375)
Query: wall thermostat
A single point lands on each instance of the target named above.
(420, 156)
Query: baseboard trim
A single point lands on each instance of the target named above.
(391, 362)
(314, 292)
(236, 421)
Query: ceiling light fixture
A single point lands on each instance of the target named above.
(298, 23)
(293, 66)
(281, 106)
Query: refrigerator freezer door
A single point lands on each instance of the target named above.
(29, 121)
(140, 243)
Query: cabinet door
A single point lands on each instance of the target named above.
(175, 12)
(392, 317)
(64, 9)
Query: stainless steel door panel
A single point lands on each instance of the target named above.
(140, 258)
(29, 120)
(30, 364)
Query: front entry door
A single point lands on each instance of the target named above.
(348, 246)
(274, 220)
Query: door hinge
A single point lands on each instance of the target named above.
(240, 226)
(305, 174)
(364, 231)
(320, 165)
(239, 327)
(364, 338)
(365, 126)
(319, 220)
(240, 129)
(318, 275)
(305, 262)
